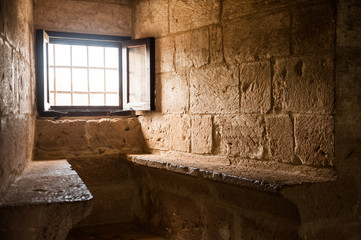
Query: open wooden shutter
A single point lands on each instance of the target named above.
(42, 74)
(138, 74)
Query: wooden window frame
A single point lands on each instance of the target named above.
(43, 38)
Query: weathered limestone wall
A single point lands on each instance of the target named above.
(247, 79)
(56, 139)
(16, 88)
(110, 17)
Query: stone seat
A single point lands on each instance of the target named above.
(45, 202)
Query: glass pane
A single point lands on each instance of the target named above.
(111, 57)
(63, 99)
(96, 57)
(80, 79)
(97, 99)
(112, 100)
(52, 99)
(96, 80)
(51, 54)
(51, 79)
(62, 55)
(62, 79)
(138, 87)
(80, 99)
(79, 56)
(112, 80)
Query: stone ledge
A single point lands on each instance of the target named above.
(260, 175)
(45, 202)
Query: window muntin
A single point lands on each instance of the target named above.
(83, 75)
(77, 74)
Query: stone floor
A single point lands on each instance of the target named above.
(119, 231)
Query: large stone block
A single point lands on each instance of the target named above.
(164, 56)
(220, 223)
(150, 18)
(201, 134)
(180, 132)
(174, 93)
(80, 16)
(175, 216)
(8, 104)
(192, 49)
(258, 37)
(349, 24)
(241, 136)
(186, 15)
(314, 139)
(255, 87)
(304, 84)
(235, 8)
(155, 131)
(214, 89)
(280, 138)
(313, 29)
(64, 135)
(216, 44)
(119, 134)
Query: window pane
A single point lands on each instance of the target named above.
(62, 55)
(79, 56)
(137, 75)
(96, 57)
(96, 80)
(62, 79)
(97, 99)
(51, 79)
(52, 99)
(80, 99)
(112, 80)
(51, 54)
(112, 99)
(111, 57)
(80, 79)
(63, 99)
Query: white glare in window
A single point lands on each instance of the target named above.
(83, 75)
(62, 55)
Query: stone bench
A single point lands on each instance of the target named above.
(208, 197)
(45, 202)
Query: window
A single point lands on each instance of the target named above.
(86, 74)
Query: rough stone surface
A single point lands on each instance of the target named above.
(214, 90)
(180, 132)
(313, 29)
(255, 87)
(16, 88)
(174, 93)
(314, 139)
(84, 17)
(279, 131)
(150, 18)
(45, 202)
(304, 84)
(164, 56)
(155, 130)
(243, 43)
(186, 15)
(241, 136)
(71, 138)
(216, 43)
(219, 223)
(201, 134)
(176, 216)
(192, 49)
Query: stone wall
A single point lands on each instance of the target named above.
(109, 17)
(246, 79)
(16, 88)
